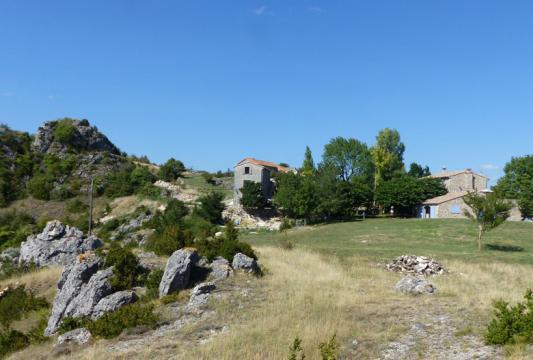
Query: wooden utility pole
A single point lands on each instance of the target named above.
(91, 207)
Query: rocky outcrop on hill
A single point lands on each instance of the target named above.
(58, 244)
(84, 291)
(81, 137)
(418, 265)
(245, 263)
(178, 271)
(414, 286)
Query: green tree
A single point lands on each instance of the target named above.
(350, 157)
(308, 166)
(296, 195)
(403, 193)
(252, 196)
(171, 170)
(487, 212)
(387, 154)
(417, 171)
(517, 183)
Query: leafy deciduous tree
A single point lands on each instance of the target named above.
(488, 212)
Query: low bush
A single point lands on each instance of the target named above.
(77, 206)
(40, 186)
(152, 283)
(112, 324)
(173, 238)
(511, 324)
(127, 271)
(14, 228)
(329, 350)
(16, 303)
(211, 207)
(12, 341)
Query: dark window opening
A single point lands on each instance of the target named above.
(247, 170)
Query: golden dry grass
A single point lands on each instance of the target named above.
(41, 282)
(313, 296)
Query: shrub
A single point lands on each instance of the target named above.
(14, 228)
(152, 283)
(171, 170)
(199, 227)
(296, 352)
(76, 206)
(64, 131)
(12, 341)
(112, 324)
(171, 239)
(511, 324)
(211, 207)
(252, 196)
(329, 350)
(118, 184)
(40, 186)
(127, 271)
(16, 303)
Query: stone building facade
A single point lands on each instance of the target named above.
(258, 171)
(452, 205)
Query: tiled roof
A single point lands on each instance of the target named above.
(447, 174)
(264, 163)
(445, 198)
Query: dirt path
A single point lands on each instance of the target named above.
(435, 335)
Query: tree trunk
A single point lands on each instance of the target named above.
(479, 238)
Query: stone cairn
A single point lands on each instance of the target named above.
(417, 265)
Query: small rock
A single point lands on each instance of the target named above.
(246, 263)
(78, 336)
(220, 269)
(113, 302)
(415, 286)
(200, 295)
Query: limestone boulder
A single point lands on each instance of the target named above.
(414, 286)
(178, 271)
(220, 269)
(245, 263)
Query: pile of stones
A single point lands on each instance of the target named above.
(417, 265)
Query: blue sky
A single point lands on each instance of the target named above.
(210, 82)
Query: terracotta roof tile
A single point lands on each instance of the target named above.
(264, 163)
(445, 198)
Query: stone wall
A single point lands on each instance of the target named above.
(258, 174)
(466, 181)
(445, 210)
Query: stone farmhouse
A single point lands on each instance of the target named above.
(258, 171)
(452, 205)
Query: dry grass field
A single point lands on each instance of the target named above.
(313, 292)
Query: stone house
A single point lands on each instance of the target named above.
(452, 205)
(258, 171)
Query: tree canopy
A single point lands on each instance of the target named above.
(517, 183)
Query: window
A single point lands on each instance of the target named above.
(247, 170)
(473, 183)
(455, 209)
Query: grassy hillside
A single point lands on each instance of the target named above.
(383, 239)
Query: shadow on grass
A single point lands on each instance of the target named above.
(506, 248)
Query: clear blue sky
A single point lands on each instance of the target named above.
(210, 82)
